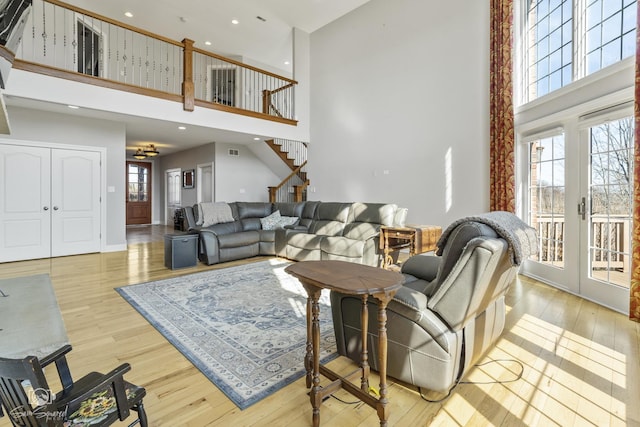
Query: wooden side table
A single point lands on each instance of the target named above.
(418, 238)
(351, 279)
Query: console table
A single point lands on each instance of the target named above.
(351, 279)
(417, 238)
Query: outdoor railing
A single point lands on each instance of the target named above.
(68, 42)
(609, 241)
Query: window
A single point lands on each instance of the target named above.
(569, 39)
(575, 142)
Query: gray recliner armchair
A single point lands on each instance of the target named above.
(451, 309)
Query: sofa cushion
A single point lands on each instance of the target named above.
(330, 219)
(378, 213)
(225, 228)
(361, 230)
(305, 241)
(242, 238)
(342, 246)
(253, 209)
(289, 208)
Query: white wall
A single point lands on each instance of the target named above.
(48, 127)
(403, 86)
(244, 178)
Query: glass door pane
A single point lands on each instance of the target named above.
(610, 193)
(547, 198)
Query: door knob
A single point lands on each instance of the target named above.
(45, 208)
(55, 208)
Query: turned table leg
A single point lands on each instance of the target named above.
(382, 408)
(364, 321)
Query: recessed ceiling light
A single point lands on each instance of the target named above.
(208, 43)
(74, 107)
(286, 62)
(181, 127)
(256, 139)
(235, 21)
(128, 14)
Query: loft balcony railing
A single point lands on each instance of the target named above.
(64, 41)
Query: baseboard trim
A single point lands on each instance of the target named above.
(114, 248)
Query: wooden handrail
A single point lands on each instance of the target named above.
(291, 175)
(271, 92)
(113, 21)
(240, 64)
(185, 91)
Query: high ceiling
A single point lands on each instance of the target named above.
(266, 42)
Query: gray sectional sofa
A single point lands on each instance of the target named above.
(297, 231)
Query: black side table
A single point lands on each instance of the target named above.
(180, 250)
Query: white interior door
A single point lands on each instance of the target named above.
(25, 225)
(75, 199)
(172, 194)
(205, 183)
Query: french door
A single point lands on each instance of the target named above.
(579, 197)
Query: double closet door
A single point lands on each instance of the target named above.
(49, 202)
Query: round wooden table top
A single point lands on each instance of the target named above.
(346, 277)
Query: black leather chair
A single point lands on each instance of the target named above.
(451, 308)
(95, 399)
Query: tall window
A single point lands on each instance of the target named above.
(569, 39)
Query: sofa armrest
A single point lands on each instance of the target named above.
(422, 266)
(297, 228)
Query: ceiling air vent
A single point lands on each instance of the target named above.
(234, 152)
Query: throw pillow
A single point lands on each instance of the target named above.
(270, 222)
(287, 220)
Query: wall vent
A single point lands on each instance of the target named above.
(234, 152)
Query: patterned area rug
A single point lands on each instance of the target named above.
(244, 327)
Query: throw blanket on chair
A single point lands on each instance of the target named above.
(521, 238)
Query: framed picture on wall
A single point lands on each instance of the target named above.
(189, 178)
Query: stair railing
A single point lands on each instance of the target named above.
(292, 188)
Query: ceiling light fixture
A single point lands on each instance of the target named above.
(235, 21)
(73, 107)
(139, 154)
(208, 43)
(287, 62)
(128, 14)
(256, 139)
(151, 151)
(181, 127)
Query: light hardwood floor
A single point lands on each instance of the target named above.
(581, 361)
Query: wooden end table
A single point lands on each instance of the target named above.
(418, 238)
(351, 279)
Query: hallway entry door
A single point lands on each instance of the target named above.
(138, 193)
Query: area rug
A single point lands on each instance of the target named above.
(244, 327)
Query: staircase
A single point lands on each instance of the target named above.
(294, 155)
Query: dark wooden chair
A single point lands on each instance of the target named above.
(95, 399)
